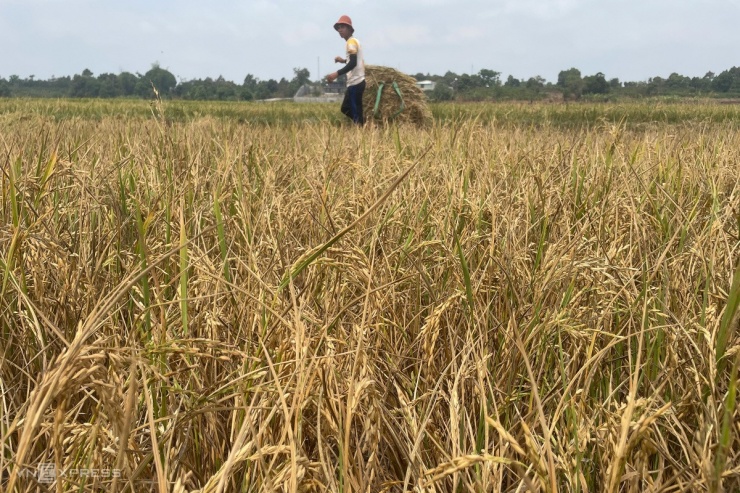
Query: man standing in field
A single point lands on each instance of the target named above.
(354, 68)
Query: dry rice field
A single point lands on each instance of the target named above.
(518, 298)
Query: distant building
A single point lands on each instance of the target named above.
(426, 85)
(335, 87)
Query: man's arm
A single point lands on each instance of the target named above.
(352, 63)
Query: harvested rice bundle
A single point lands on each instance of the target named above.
(411, 106)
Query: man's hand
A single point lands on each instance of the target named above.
(332, 77)
(338, 59)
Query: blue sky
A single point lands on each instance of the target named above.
(632, 40)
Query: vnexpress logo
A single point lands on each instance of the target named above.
(46, 473)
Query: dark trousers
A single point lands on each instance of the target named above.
(352, 104)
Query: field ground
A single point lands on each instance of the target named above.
(251, 297)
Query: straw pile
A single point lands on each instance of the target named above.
(416, 109)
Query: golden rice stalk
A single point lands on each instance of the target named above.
(416, 108)
(461, 463)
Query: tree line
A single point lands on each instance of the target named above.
(485, 85)
(572, 85)
(166, 85)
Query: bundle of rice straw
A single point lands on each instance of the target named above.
(414, 109)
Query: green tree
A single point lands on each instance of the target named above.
(108, 86)
(536, 82)
(162, 79)
(677, 83)
(225, 90)
(198, 90)
(246, 95)
(283, 89)
(702, 84)
(266, 89)
(595, 84)
(570, 83)
(127, 83)
(634, 89)
(301, 76)
(84, 86)
(250, 82)
(490, 78)
(441, 92)
(512, 82)
(534, 87)
(655, 86)
(725, 81)
(450, 78)
(467, 82)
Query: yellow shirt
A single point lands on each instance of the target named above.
(357, 74)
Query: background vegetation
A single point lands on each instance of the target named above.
(246, 297)
(485, 85)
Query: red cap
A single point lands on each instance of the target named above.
(344, 20)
